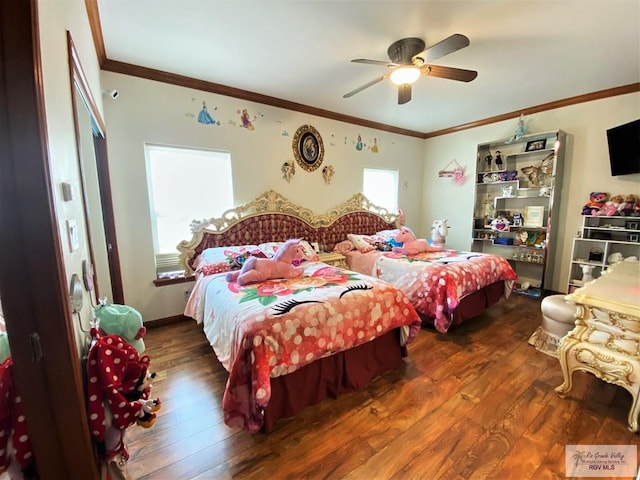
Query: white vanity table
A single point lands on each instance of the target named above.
(606, 338)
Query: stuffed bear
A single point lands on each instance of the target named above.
(596, 202)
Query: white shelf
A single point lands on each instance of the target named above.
(616, 241)
(492, 198)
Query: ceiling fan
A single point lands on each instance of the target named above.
(409, 60)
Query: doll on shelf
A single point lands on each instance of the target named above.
(498, 160)
(488, 159)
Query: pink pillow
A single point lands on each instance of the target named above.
(344, 247)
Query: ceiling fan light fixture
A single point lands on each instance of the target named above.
(405, 75)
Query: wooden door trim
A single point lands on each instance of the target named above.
(79, 80)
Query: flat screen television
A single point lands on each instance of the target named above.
(624, 148)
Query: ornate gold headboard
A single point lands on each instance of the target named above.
(273, 218)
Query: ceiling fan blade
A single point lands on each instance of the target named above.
(450, 73)
(366, 85)
(404, 93)
(374, 62)
(449, 45)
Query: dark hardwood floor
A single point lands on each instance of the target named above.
(477, 402)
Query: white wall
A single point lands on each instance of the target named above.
(148, 111)
(55, 18)
(586, 170)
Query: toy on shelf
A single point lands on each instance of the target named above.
(520, 130)
(610, 207)
(629, 205)
(500, 224)
(587, 273)
(596, 202)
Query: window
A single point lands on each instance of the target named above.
(381, 187)
(185, 184)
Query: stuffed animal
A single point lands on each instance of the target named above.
(411, 245)
(280, 266)
(596, 202)
(628, 205)
(124, 321)
(500, 224)
(610, 207)
(16, 455)
(439, 232)
(118, 393)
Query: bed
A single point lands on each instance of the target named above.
(292, 343)
(446, 288)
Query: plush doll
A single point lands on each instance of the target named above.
(411, 245)
(280, 266)
(122, 320)
(611, 206)
(439, 232)
(16, 456)
(628, 205)
(500, 224)
(596, 202)
(118, 394)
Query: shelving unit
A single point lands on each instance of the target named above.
(520, 188)
(600, 237)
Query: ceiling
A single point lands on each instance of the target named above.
(526, 53)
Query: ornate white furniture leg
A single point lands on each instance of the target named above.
(606, 338)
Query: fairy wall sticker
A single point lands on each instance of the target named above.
(374, 147)
(359, 143)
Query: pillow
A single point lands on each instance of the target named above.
(222, 259)
(363, 243)
(270, 248)
(344, 247)
(388, 234)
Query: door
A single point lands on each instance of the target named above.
(32, 284)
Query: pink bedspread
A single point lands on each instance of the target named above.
(436, 282)
(273, 328)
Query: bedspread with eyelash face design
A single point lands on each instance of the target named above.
(275, 327)
(436, 282)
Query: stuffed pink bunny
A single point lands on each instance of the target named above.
(280, 266)
(412, 245)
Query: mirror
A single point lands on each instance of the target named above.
(95, 185)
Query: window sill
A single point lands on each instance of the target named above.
(161, 282)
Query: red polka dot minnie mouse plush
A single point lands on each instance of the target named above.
(118, 384)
